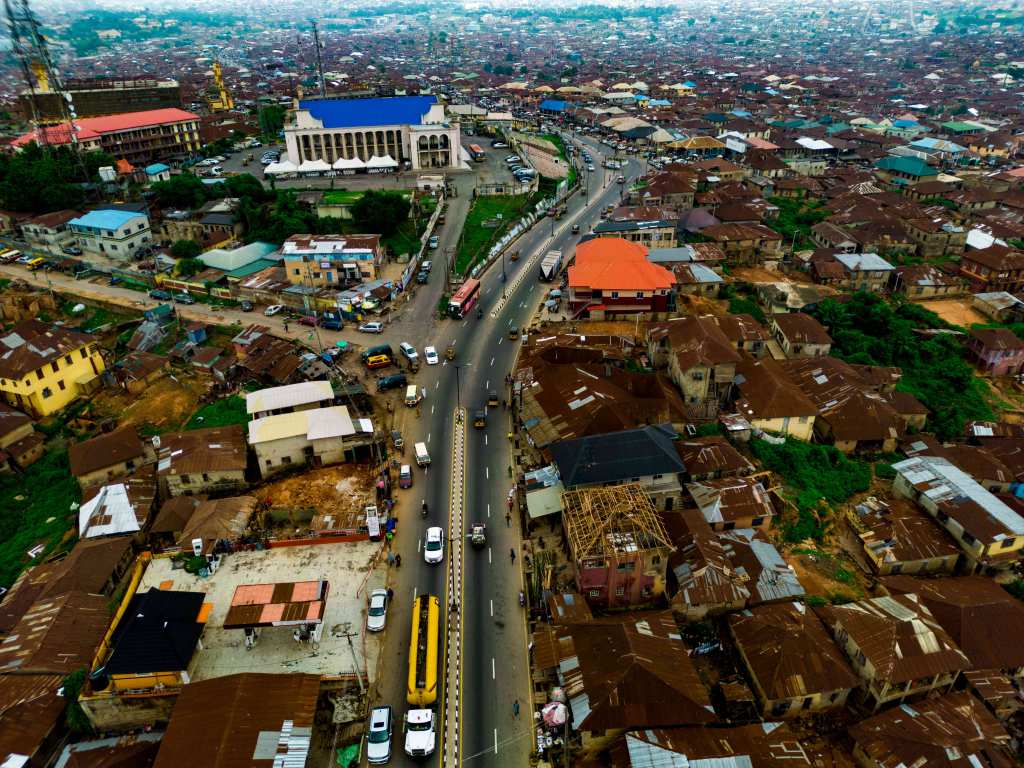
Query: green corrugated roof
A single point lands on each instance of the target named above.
(251, 268)
(912, 166)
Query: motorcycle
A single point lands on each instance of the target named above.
(423, 510)
(522, 599)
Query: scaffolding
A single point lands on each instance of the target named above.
(605, 523)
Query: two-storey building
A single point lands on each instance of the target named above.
(115, 233)
(323, 261)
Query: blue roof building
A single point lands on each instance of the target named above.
(111, 231)
(157, 168)
(366, 113)
(103, 220)
(326, 136)
(553, 106)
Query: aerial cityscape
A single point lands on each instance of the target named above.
(619, 384)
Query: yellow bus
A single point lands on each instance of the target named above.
(426, 617)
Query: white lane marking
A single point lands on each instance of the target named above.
(438, 382)
(510, 322)
(431, 410)
(488, 510)
(488, 555)
(492, 607)
(453, 342)
(494, 671)
(428, 437)
(501, 339)
(492, 362)
(414, 591)
(419, 542)
(485, 439)
(487, 472)
(495, 741)
(488, 384)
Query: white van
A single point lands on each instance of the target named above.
(412, 396)
(422, 457)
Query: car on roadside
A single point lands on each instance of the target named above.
(621, 179)
(183, 298)
(433, 545)
(433, 242)
(422, 278)
(394, 381)
(430, 355)
(590, 168)
(378, 736)
(72, 250)
(426, 266)
(246, 306)
(377, 610)
(371, 327)
(409, 351)
(309, 320)
(405, 476)
(273, 309)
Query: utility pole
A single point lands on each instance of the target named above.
(348, 634)
(319, 62)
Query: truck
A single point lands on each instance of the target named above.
(549, 265)
(422, 457)
(331, 320)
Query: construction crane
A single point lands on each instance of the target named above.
(222, 101)
(319, 61)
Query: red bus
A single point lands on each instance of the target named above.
(476, 153)
(464, 298)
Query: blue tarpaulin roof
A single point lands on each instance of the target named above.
(354, 113)
(552, 105)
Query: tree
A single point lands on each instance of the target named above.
(181, 191)
(381, 211)
(271, 119)
(188, 267)
(74, 715)
(186, 249)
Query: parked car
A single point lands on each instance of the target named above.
(372, 327)
(309, 320)
(246, 306)
(430, 355)
(405, 476)
(160, 295)
(273, 309)
(433, 242)
(183, 298)
(378, 737)
(433, 545)
(395, 380)
(72, 250)
(422, 278)
(377, 610)
(426, 266)
(409, 351)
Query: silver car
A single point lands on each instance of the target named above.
(377, 610)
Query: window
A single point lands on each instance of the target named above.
(60, 385)
(55, 367)
(657, 477)
(728, 526)
(47, 392)
(85, 352)
(756, 522)
(968, 539)
(68, 359)
(1007, 543)
(620, 591)
(270, 463)
(656, 560)
(39, 374)
(615, 294)
(595, 593)
(186, 480)
(286, 459)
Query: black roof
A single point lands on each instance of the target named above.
(158, 633)
(617, 456)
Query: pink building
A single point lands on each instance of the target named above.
(996, 351)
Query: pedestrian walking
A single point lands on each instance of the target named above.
(391, 559)
(508, 519)
(391, 594)
(398, 561)
(515, 708)
(512, 553)
(390, 536)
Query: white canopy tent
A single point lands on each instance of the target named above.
(348, 164)
(314, 166)
(285, 166)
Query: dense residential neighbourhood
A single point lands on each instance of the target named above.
(611, 384)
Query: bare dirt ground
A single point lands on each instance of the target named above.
(344, 489)
(955, 311)
(826, 571)
(164, 404)
(759, 275)
(547, 164)
(1007, 397)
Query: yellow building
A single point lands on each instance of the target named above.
(44, 367)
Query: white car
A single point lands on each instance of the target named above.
(433, 545)
(420, 732)
(373, 327)
(377, 611)
(409, 351)
(430, 355)
(273, 309)
(378, 736)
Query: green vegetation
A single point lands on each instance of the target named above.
(36, 182)
(381, 211)
(555, 139)
(222, 413)
(741, 302)
(35, 508)
(74, 716)
(796, 217)
(271, 117)
(476, 238)
(188, 267)
(186, 249)
(869, 330)
(341, 196)
(813, 474)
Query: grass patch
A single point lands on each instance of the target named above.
(35, 508)
(476, 238)
(222, 413)
(341, 196)
(819, 478)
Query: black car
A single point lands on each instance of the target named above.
(393, 381)
(422, 277)
(183, 298)
(246, 306)
(160, 295)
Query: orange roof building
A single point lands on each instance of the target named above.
(612, 277)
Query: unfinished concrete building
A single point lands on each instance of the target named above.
(618, 545)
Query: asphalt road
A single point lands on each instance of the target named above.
(495, 659)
